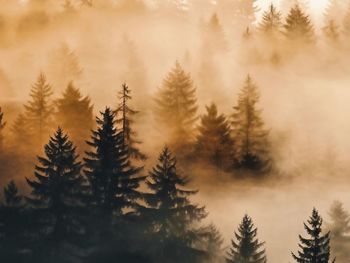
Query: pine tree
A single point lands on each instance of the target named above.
(247, 248)
(331, 31)
(177, 107)
(74, 113)
(298, 26)
(113, 179)
(340, 232)
(39, 110)
(316, 247)
(172, 214)
(21, 133)
(251, 147)
(214, 36)
(2, 127)
(58, 190)
(125, 115)
(214, 143)
(271, 24)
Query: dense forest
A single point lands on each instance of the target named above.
(174, 131)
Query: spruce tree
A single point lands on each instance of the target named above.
(169, 207)
(335, 11)
(251, 147)
(11, 194)
(214, 143)
(271, 24)
(125, 115)
(39, 110)
(114, 181)
(214, 36)
(176, 108)
(246, 248)
(57, 191)
(315, 248)
(2, 127)
(298, 26)
(20, 132)
(340, 232)
(74, 113)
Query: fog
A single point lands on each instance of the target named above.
(304, 95)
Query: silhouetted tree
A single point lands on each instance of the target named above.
(114, 180)
(75, 114)
(21, 133)
(176, 109)
(58, 190)
(214, 36)
(335, 11)
(246, 248)
(214, 143)
(251, 147)
(314, 248)
(125, 115)
(211, 242)
(11, 194)
(2, 126)
(340, 232)
(37, 117)
(298, 26)
(172, 214)
(271, 23)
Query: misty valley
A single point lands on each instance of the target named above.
(174, 131)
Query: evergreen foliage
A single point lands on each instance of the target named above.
(271, 23)
(246, 248)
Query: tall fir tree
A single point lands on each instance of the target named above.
(125, 115)
(114, 180)
(335, 11)
(251, 146)
(58, 190)
(271, 23)
(215, 38)
(214, 143)
(74, 113)
(298, 26)
(2, 127)
(20, 132)
(38, 114)
(246, 248)
(315, 248)
(172, 214)
(340, 232)
(176, 108)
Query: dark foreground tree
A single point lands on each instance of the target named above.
(251, 147)
(75, 115)
(114, 180)
(176, 109)
(58, 191)
(315, 248)
(246, 248)
(340, 232)
(171, 212)
(214, 143)
(125, 115)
